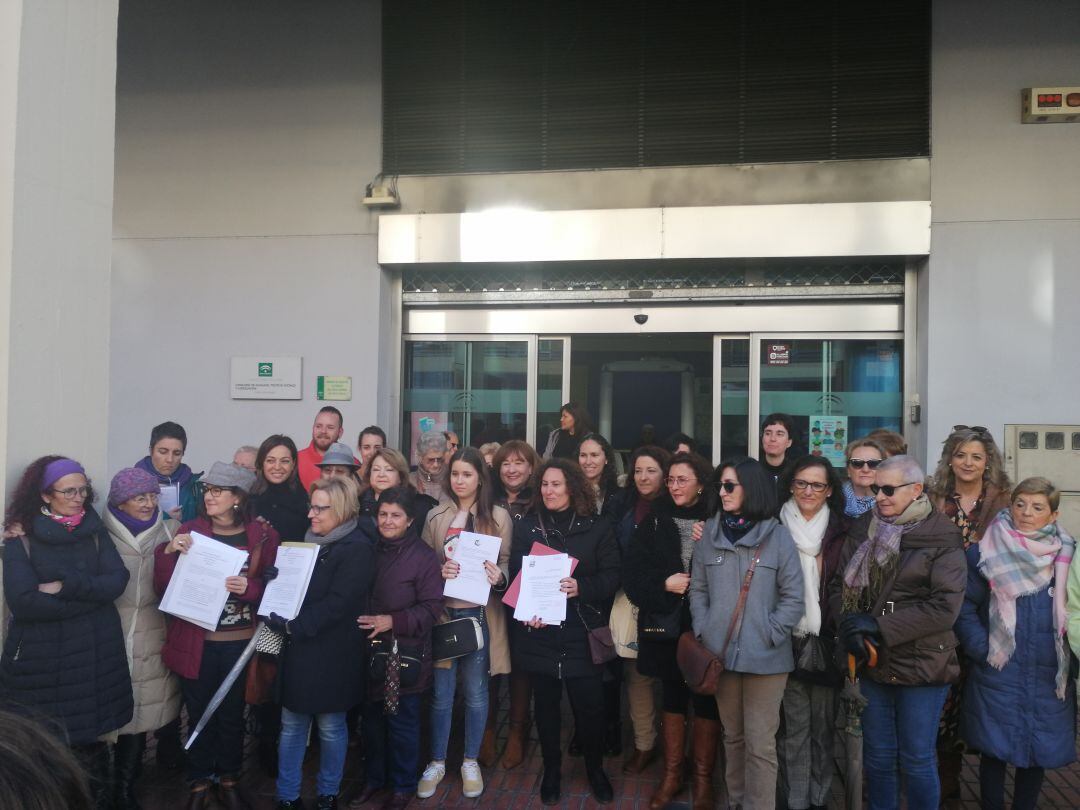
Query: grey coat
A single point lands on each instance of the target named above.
(774, 604)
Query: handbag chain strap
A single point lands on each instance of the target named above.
(736, 620)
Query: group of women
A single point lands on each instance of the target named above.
(957, 603)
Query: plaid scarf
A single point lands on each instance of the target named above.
(1019, 564)
(874, 559)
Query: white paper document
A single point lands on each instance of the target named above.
(470, 550)
(540, 594)
(168, 497)
(196, 592)
(285, 593)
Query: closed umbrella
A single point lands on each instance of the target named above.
(853, 702)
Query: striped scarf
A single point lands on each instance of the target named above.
(1019, 564)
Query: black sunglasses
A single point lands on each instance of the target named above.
(726, 486)
(973, 428)
(889, 489)
(859, 463)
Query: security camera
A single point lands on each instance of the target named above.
(641, 318)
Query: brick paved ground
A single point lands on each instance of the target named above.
(520, 788)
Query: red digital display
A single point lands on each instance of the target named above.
(1049, 99)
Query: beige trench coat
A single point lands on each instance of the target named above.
(156, 689)
(435, 528)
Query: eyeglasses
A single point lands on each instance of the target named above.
(859, 463)
(71, 493)
(727, 486)
(890, 490)
(215, 492)
(146, 498)
(817, 486)
(318, 510)
(681, 481)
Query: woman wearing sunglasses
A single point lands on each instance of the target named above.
(813, 512)
(656, 576)
(63, 658)
(970, 487)
(202, 658)
(863, 458)
(1020, 697)
(899, 587)
(324, 650)
(758, 661)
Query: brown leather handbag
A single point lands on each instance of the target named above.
(700, 667)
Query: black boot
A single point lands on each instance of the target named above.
(550, 785)
(598, 781)
(613, 740)
(98, 766)
(127, 765)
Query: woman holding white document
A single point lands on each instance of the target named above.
(202, 658)
(565, 521)
(470, 509)
(324, 649)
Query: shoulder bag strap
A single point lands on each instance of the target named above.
(737, 617)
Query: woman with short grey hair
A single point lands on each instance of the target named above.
(430, 476)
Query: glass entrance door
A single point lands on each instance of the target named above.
(480, 388)
(836, 388)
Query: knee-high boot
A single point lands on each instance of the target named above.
(520, 698)
(127, 765)
(95, 761)
(703, 743)
(674, 731)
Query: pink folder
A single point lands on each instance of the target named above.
(511, 596)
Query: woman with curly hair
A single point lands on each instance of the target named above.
(558, 655)
(62, 576)
(596, 457)
(970, 487)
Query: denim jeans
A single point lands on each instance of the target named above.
(900, 727)
(392, 744)
(333, 745)
(474, 680)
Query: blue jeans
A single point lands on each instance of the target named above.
(474, 677)
(900, 725)
(392, 744)
(333, 745)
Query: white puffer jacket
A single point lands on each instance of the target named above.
(156, 689)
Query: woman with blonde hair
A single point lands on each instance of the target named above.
(970, 487)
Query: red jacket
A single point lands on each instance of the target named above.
(183, 648)
(306, 461)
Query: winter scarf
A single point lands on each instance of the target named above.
(182, 476)
(873, 561)
(133, 524)
(331, 536)
(807, 535)
(855, 505)
(1018, 564)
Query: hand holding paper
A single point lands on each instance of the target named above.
(197, 591)
(470, 551)
(541, 594)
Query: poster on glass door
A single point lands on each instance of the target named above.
(422, 422)
(829, 437)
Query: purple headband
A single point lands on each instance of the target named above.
(56, 470)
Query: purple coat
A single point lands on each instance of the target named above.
(409, 588)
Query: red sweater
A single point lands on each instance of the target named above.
(183, 648)
(306, 460)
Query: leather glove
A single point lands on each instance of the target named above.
(854, 631)
(269, 573)
(277, 624)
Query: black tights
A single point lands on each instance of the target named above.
(678, 699)
(1027, 785)
(586, 699)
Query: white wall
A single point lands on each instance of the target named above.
(56, 178)
(245, 136)
(1003, 280)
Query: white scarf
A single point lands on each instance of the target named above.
(807, 535)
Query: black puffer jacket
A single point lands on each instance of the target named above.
(563, 650)
(654, 554)
(64, 654)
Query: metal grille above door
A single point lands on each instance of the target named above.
(488, 86)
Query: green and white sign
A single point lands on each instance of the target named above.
(333, 388)
(262, 377)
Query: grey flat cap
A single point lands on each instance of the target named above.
(229, 475)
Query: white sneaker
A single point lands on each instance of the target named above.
(472, 781)
(429, 782)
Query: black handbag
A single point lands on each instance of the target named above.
(661, 626)
(411, 660)
(456, 638)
